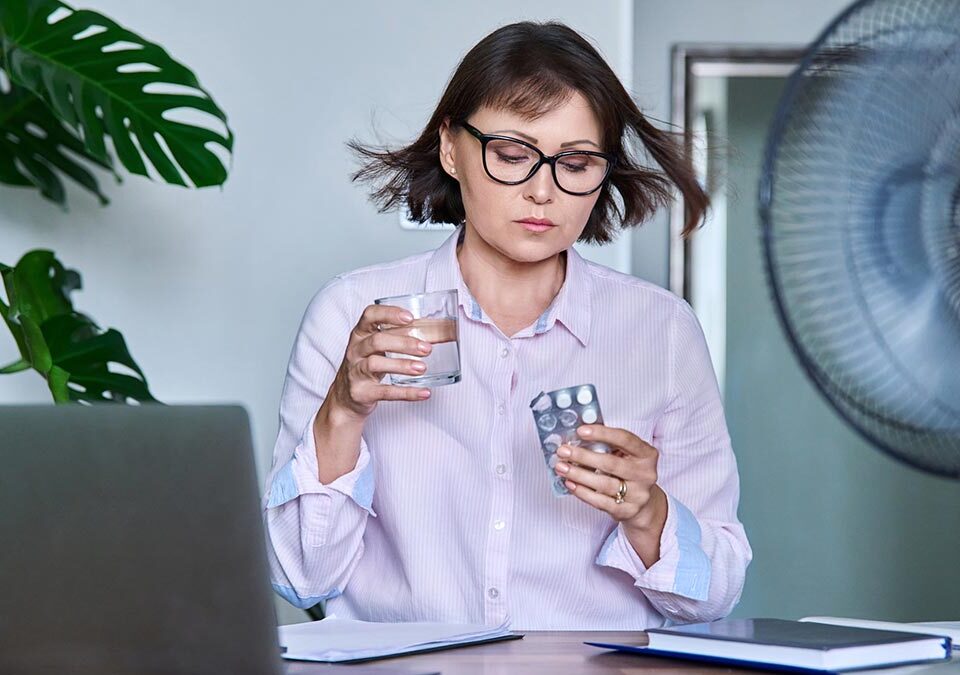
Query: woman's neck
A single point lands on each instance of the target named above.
(510, 292)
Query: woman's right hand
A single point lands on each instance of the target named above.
(356, 389)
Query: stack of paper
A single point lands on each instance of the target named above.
(336, 640)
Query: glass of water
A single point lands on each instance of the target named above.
(434, 321)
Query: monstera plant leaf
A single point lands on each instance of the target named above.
(66, 347)
(36, 148)
(106, 82)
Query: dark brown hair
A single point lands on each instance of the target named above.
(530, 68)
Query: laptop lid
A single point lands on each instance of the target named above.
(131, 542)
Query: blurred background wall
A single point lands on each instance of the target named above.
(209, 286)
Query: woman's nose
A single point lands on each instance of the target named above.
(540, 187)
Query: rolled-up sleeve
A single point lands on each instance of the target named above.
(704, 552)
(315, 530)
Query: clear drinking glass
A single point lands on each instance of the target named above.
(434, 321)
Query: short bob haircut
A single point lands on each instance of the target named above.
(530, 68)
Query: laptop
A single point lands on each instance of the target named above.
(131, 542)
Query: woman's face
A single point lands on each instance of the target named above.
(494, 210)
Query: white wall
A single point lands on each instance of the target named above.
(209, 286)
(660, 25)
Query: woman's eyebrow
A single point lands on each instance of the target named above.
(534, 140)
(582, 140)
(518, 133)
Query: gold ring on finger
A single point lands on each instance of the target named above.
(621, 492)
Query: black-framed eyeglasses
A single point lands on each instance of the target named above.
(511, 161)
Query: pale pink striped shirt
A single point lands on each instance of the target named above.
(449, 514)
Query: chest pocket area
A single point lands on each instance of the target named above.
(583, 517)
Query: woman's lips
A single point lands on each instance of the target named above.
(537, 225)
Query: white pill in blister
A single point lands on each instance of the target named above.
(542, 403)
(547, 421)
(584, 396)
(552, 442)
(564, 400)
(589, 415)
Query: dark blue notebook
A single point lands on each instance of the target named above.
(796, 646)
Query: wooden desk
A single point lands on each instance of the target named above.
(546, 653)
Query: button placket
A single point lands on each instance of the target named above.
(501, 506)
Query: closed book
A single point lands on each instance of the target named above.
(788, 645)
(950, 629)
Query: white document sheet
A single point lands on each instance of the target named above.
(332, 639)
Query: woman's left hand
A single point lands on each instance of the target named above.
(630, 469)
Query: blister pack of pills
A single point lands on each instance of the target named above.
(557, 415)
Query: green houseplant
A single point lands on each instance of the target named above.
(70, 82)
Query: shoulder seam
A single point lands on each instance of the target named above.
(599, 271)
(674, 357)
(417, 258)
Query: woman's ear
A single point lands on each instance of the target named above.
(447, 148)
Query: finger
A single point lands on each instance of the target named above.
(599, 482)
(606, 462)
(392, 392)
(374, 316)
(367, 392)
(381, 343)
(366, 387)
(378, 366)
(600, 500)
(621, 438)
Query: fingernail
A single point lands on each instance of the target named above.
(424, 393)
(419, 367)
(585, 431)
(564, 451)
(562, 467)
(570, 485)
(406, 317)
(424, 347)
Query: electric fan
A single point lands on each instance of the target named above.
(861, 224)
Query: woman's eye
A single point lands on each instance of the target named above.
(513, 159)
(574, 167)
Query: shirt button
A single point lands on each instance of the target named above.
(504, 353)
(501, 409)
(499, 525)
(501, 469)
(493, 593)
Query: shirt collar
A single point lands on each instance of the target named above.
(443, 273)
(571, 306)
(573, 303)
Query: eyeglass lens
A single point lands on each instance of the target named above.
(511, 162)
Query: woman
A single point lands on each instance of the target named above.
(407, 504)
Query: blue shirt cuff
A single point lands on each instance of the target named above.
(683, 568)
(303, 602)
(300, 475)
(284, 487)
(692, 578)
